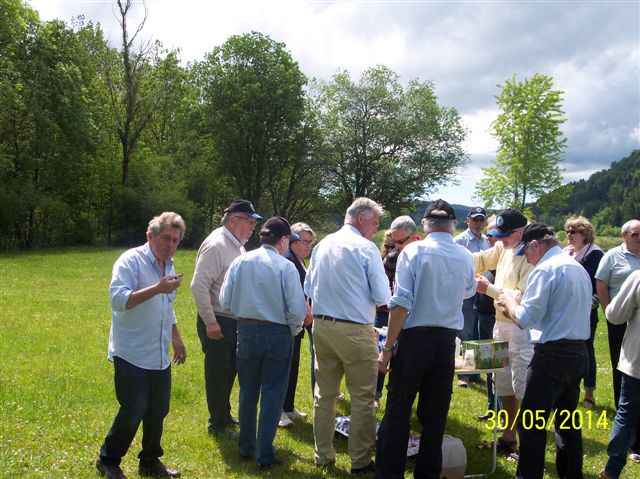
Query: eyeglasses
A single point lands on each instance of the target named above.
(479, 219)
(306, 242)
(572, 232)
(251, 221)
(403, 241)
(389, 246)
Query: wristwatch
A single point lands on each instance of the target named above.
(387, 349)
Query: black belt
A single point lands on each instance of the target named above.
(336, 320)
(254, 321)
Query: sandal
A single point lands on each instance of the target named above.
(502, 446)
(588, 403)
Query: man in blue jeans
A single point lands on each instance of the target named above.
(143, 325)
(262, 289)
(555, 310)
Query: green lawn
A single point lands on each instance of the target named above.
(56, 388)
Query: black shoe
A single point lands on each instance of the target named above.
(233, 421)
(111, 471)
(157, 470)
(485, 416)
(276, 461)
(224, 433)
(371, 467)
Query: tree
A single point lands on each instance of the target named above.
(386, 142)
(530, 143)
(253, 90)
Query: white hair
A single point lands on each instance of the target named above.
(404, 223)
(362, 205)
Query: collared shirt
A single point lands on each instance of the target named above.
(615, 266)
(140, 335)
(472, 242)
(433, 277)
(625, 308)
(264, 285)
(215, 255)
(557, 299)
(346, 278)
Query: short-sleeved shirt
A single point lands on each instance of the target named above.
(471, 241)
(615, 266)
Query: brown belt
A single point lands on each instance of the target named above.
(254, 321)
(337, 320)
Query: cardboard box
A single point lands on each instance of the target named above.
(488, 353)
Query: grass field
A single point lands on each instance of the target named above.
(56, 388)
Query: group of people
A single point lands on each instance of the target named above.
(514, 284)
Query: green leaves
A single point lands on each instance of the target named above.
(530, 143)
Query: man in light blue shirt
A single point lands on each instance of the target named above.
(472, 239)
(143, 323)
(345, 282)
(433, 277)
(262, 289)
(557, 303)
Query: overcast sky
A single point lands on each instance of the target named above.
(590, 48)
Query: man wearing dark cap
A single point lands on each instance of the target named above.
(262, 289)
(217, 327)
(511, 275)
(433, 277)
(472, 239)
(555, 310)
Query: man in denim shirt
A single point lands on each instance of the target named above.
(143, 323)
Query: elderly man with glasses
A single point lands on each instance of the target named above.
(511, 274)
(555, 311)
(217, 328)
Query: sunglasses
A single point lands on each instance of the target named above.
(403, 241)
(389, 246)
(572, 232)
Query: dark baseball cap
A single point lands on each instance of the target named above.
(477, 211)
(278, 226)
(243, 206)
(533, 231)
(439, 210)
(508, 221)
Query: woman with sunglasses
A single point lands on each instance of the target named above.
(580, 237)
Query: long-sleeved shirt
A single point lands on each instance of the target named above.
(557, 300)
(346, 279)
(140, 335)
(625, 308)
(471, 241)
(615, 266)
(215, 255)
(264, 285)
(433, 277)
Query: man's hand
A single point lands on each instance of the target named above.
(168, 284)
(483, 284)
(214, 332)
(308, 319)
(508, 305)
(179, 350)
(383, 361)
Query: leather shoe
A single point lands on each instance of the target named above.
(485, 416)
(111, 471)
(371, 467)
(157, 470)
(276, 461)
(224, 433)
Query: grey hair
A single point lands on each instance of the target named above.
(491, 222)
(404, 223)
(168, 218)
(549, 241)
(626, 228)
(299, 228)
(362, 205)
(432, 225)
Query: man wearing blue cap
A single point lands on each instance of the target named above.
(555, 309)
(217, 328)
(262, 289)
(511, 274)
